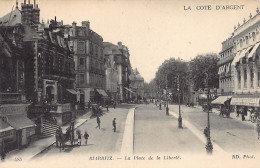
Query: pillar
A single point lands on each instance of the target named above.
(242, 77)
(255, 70)
(248, 78)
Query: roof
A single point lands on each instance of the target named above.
(19, 121)
(5, 127)
(12, 18)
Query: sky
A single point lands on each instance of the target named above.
(153, 30)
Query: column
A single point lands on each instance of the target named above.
(242, 78)
(248, 78)
(255, 70)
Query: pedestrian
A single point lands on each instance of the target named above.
(57, 134)
(98, 122)
(86, 135)
(79, 137)
(114, 124)
(107, 107)
(114, 105)
(206, 131)
(237, 111)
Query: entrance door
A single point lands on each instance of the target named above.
(49, 94)
(24, 140)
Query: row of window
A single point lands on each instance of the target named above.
(245, 77)
(226, 83)
(244, 41)
(95, 80)
(226, 53)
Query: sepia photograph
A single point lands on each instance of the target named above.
(129, 83)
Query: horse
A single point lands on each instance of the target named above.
(62, 138)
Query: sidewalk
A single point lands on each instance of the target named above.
(40, 145)
(233, 115)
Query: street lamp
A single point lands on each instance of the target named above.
(179, 119)
(167, 108)
(209, 146)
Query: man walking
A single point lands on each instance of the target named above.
(98, 122)
(86, 137)
(114, 124)
(107, 107)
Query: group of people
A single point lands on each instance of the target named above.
(77, 136)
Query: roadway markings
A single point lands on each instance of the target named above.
(199, 134)
(127, 147)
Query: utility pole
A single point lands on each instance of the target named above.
(209, 146)
(180, 118)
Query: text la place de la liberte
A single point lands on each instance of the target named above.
(215, 7)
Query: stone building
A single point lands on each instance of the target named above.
(87, 46)
(137, 84)
(246, 62)
(118, 57)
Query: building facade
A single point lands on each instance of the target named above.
(119, 54)
(137, 84)
(225, 72)
(247, 64)
(87, 46)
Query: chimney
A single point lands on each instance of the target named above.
(74, 24)
(119, 45)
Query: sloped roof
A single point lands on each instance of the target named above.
(19, 121)
(12, 18)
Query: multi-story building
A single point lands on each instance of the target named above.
(120, 56)
(226, 76)
(137, 84)
(247, 64)
(89, 60)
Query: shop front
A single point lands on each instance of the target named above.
(62, 113)
(247, 103)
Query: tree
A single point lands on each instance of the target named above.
(173, 70)
(200, 65)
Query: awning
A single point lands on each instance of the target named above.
(5, 127)
(72, 91)
(221, 99)
(19, 121)
(102, 92)
(253, 50)
(245, 100)
(241, 54)
(129, 90)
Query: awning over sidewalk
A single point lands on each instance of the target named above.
(221, 99)
(129, 90)
(73, 91)
(253, 50)
(5, 127)
(102, 92)
(245, 100)
(19, 121)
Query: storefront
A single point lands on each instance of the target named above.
(62, 113)
(247, 102)
(25, 128)
(7, 137)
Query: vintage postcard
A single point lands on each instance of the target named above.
(129, 83)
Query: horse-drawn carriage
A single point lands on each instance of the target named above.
(63, 138)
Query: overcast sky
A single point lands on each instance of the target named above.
(152, 30)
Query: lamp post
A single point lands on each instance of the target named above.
(180, 118)
(167, 107)
(209, 146)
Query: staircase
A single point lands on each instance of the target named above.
(49, 128)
